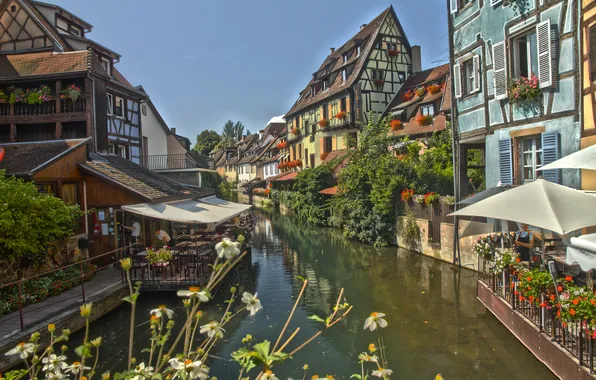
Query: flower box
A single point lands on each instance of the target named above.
(379, 82)
(395, 125)
(409, 95)
(295, 131)
(406, 195)
(71, 92)
(323, 123)
(341, 115)
(420, 92)
(392, 53)
(433, 89)
(424, 120)
(524, 90)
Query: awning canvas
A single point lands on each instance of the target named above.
(582, 251)
(582, 159)
(210, 210)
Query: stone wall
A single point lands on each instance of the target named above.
(442, 250)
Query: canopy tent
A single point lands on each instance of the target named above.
(582, 250)
(582, 159)
(493, 226)
(210, 210)
(485, 194)
(540, 203)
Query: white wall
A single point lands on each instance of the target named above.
(270, 170)
(244, 173)
(152, 129)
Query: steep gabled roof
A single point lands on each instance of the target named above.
(25, 159)
(45, 63)
(63, 12)
(365, 38)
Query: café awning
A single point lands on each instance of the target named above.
(209, 210)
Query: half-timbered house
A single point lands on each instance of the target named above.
(515, 84)
(588, 67)
(357, 79)
(56, 83)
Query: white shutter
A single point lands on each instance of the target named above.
(500, 70)
(453, 6)
(476, 68)
(494, 2)
(545, 73)
(457, 80)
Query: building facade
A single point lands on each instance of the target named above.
(515, 83)
(357, 79)
(588, 67)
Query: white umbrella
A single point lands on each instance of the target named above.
(582, 250)
(540, 203)
(582, 159)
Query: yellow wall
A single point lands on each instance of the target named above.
(589, 89)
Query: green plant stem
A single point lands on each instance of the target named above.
(96, 360)
(187, 334)
(283, 330)
(84, 356)
(133, 302)
(192, 339)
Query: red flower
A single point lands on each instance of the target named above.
(535, 258)
(408, 95)
(529, 278)
(572, 311)
(433, 89)
(593, 302)
(395, 125)
(575, 302)
(552, 297)
(569, 278)
(518, 260)
(531, 298)
(558, 313)
(512, 285)
(560, 288)
(543, 304)
(516, 292)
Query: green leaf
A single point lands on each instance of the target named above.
(262, 349)
(13, 375)
(356, 376)
(127, 299)
(315, 317)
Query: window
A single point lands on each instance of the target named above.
(592, 52)
(391, 46)
(107, 65)
(313, 129)
(328, 144)
(325, 112)
(110, 104)
(75, 30)
(531, 150)
(325, 84)
(306, 154)
(144, 109)
(69, 193)
(401, 76)
(358, 51)
(344, 75)
(346, 57)
(378, 74)
(121, 151)
(46, 188)
(468, 77)
(119, 107)
(525, 55)
(313, 91)
(379, 45)
(427, 110)
(312, 160)
(343, 104)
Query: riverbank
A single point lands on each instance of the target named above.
(105, 291)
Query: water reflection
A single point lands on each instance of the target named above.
(435, 322)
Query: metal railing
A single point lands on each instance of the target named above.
(36, 289)
(572, 337)
(169, 161)
(335, 122)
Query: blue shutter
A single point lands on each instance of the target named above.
(550, 153)
(505, 162)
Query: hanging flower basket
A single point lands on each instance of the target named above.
(407, 194)
(420, 92)
(341, 115)
(409, 95)
(433, 89)
(423, 120)
(395, 125)
(324, 156)
(392, 53)
(3, 97)
(323, 123)
(430, 198)
(524, 90)
(379, 82)
(70, 92)
(295, 131)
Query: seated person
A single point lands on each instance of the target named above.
(524, 242)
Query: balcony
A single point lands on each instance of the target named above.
(18, 113)
(337, 123)
(169, 162)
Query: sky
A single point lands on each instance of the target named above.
(204, 62)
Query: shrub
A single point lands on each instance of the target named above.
(411, 233)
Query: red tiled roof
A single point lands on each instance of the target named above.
(439, 73)
(411, 127)
(329, 191)
(284, 177)
(30, 64)
(335, 154)
(366, 38)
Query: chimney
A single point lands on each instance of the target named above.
(362, 26)
(173, 130)
(332, 50)
(416, 59)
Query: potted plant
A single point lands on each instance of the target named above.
(71, 92)
(482, 248)
(295, 131)
(420, 92)
(323, 123)
(433, 89)
(341, 115)
(324, 156)
(160, 257)
(17, 95)
(3, 97)
(408, 95)
(392, 52)
(424, 120)
(524, 90)
(407, 194)
(395, 124)
(431, 198)
(379, 82)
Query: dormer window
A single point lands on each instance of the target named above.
(313, 91)
(75, 30)
(107, 65)
(325, 84)
(346, 58)
(358, 51)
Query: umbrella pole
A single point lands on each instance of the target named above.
(542, 255)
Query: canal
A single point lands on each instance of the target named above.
(436, 324)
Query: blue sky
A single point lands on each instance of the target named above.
(204, 62)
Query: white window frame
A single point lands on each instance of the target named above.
(108, 66)
(325, 84)
(427, 109)
(123, 107)
(346, 58)
(516, 54)
(344, 75)
(358, 51)
(110, 103)
(535, 154)
(465, 79)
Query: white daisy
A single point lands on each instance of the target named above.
(161, 309)
(382, 372)
(195, 291)
(141, 372)
(375, 319)
(252, 302)
(212, 329)
(22, 349)
(227, 248)
(54, 363)
(75, 368)
(188, 369)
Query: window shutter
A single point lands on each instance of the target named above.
(476, 68)
(500, 70)
(457, 80)
(494, 2)
(453, 6)
(505, 162)
(545, 71)
(550, 153)
(592, 53)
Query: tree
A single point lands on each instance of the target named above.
(207, 141)
(31, 222)
(232, 132)
(239, 129)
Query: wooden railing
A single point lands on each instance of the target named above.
(52, 107)
(169, 161)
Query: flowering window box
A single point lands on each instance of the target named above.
(341, 115)
(395, 125)
(424, 120)
(323, 123)
(409, 95)
(420, 92)
(392, 53)
(524, 90)
(379, 82)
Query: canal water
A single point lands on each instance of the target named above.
(436, 324)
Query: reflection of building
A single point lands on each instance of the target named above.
(588, 67)
(494, 47)
(361, 76)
